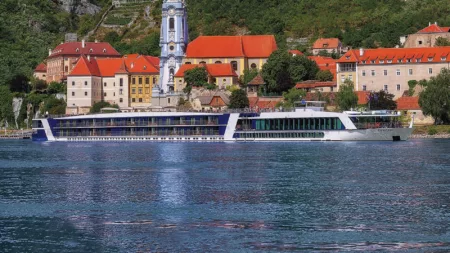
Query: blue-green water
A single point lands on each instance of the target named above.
(225, 197)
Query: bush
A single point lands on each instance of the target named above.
(432, 131)
(96, 108)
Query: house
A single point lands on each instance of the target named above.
(315, 86)
(218, 100)
(264, 103)
(410, 107)
(254, 85)
(329, 45)
(242, 52)
(325, 63)
(221, 74)
(62, 60)
(40, 72)
(126, 81)
(390, 69)
(427, 36)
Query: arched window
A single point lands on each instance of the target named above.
(172, 72)
(234, 65)
(253, 66)
(218, 62)
(202, 62)
(171, 23)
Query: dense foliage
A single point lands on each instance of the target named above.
(346, 98)
(97, 107)
(291, 97)
(381, 100)
(238, 99)
(435, 99)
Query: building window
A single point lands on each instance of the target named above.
(202, 62)
(430, 59)
(400, 60)
(168, 100)
(381, 61)
(373, 62)
(133, 91)
(73, 94)
(114, 94)
(398, 72)
(85, 93)
(409, 60)
(104, 94)
(350, 77)
(385, 87)
(410, 72)
(154, 80)
(147, 90)
(85, 83)
(187, 63)
(66, 69)
(218, 62)
(389, 61)
(140, 90)
(331, 89)
(398, 87)
(73, 83)
(430, 71)
(121, 100)
(342, 78)
(120, 92)
(418, 60)
(253, 66)
(443, 58)
(133, 100)
(364, 87)
(121, 82)
(420, 42)
(133, 80)
(171, 23)
(140, 80)
(363, 62)
(147, 80)
(104, 84)
(140, 100)
(363, 73)
(373, 72)
(234, 65)
(385, 72)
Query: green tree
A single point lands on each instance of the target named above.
(435, 98)
(6, 109)
(382, 100)
(238, 99)
(97, 107)
(411, 86)
(38, 84)
(248, 76)
(324, 75)
(276, 72)
(196, 77)
(346, 98)
(290, 97)
(442, 42)
(55, 87)
(54, 106)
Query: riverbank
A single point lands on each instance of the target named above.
(431, 132)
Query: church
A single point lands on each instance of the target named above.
(137, 83)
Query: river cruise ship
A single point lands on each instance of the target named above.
(307, 123)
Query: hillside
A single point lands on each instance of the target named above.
(30, 27)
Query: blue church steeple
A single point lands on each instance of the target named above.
(173, 41)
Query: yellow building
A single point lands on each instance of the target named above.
(143, 75)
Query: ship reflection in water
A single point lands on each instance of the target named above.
(222, 197)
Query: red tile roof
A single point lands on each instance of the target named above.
(258, 80)
(41, 68)
(295, 52)
(214, 70)
(154, 61)
(86, 67)
(108, 67)
(397, 55)
(325, 63)
(326, 43)
(91, 48)
(314, 84)
(408, 103)
(260, 46)
(264, 102)
(363, 97)
(434, 28)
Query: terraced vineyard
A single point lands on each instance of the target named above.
(126, 14)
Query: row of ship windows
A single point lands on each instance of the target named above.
(300, 124)
(282, 135)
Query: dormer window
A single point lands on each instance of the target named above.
(325, 45)
(381, 61)
(389, 61)
(104, 50)
(363, 62)
(409, 60)
(418, 60)
(145, 67)
(373, 62)
(443, 58)
(347, 57)
(430, 59)
(78, 50)
(400, 60)
(91, 50)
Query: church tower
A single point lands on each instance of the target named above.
(173, 41)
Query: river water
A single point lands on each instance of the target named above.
(225, 197)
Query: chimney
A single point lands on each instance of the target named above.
(83, 43)
(49, 52)
(429, 23)
(361, 51)
(89, 58)
(132, 65)
(96, 41)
